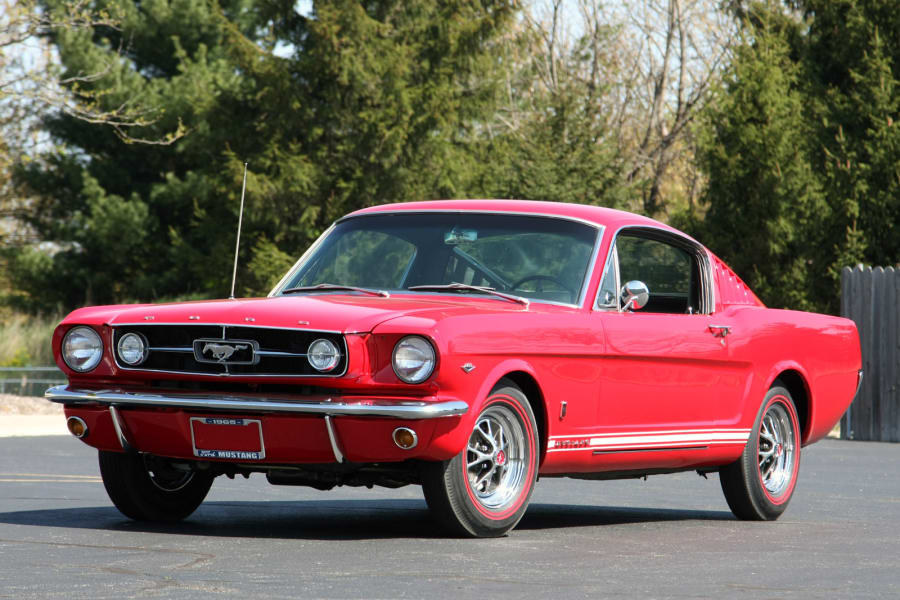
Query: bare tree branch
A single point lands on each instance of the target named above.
(30, 83)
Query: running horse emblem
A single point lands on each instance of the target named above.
(222, 352)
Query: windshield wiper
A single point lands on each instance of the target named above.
(465, 287)
(329, 287)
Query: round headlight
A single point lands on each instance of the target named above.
(82, 349)
(132, 349)
(413, 359)
(323, 355)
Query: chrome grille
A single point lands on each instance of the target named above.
(277, 352)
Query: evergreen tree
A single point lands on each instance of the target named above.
(357, 103)
(765, 202)
(836, 72)
(853, 58)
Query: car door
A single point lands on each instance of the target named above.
(666, 373)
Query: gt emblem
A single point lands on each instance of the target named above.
(222, 352)
(226, 352)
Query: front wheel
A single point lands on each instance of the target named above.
(150, 488)
(759, 485)
(484, 490)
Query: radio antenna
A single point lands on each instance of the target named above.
(237, 244)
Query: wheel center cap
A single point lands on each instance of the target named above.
(501, 458)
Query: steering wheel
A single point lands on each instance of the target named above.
(539, 277)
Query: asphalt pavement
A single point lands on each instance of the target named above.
(670, 536)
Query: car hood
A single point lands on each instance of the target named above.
(343, 313)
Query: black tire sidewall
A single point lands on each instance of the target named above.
(455, 502)
(131, 489)
(742, 481)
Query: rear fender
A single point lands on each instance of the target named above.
(803, 405)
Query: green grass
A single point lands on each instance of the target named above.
(25, 339)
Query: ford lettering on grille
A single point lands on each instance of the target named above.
(226, 352)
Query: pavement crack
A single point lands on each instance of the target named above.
(199, 557)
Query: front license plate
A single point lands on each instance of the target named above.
(228, 438)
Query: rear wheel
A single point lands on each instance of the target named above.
(759, 485)
(150, 488)
(484, 490)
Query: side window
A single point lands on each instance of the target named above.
(669, 271)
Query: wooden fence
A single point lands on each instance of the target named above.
(871, 297)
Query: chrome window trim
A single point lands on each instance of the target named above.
(709, 274)
(461, 211)
(698, 250)
(582, 297)
(612, 256)
(589, 273)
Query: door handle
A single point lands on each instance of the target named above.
(720, 331)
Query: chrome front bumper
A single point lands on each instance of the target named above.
(396, 408)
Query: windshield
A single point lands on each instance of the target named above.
(540, 258)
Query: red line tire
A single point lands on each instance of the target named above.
(149, 488)
(485, 489)
(759, 485)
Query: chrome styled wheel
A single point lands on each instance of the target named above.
(484, 490)
(775, 450)
(759, 485)
(496, 460)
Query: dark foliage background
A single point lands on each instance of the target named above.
(792, 148)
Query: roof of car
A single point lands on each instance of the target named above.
(595, 214)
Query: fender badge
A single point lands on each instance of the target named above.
(468, 367)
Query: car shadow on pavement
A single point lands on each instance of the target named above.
(341, 520)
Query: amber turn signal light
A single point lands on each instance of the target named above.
(77, 427)
(405, 438)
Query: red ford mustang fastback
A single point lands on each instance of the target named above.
(468, 347)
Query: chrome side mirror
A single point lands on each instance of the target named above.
(634, 295)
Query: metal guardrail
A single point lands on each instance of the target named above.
(29, 381)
